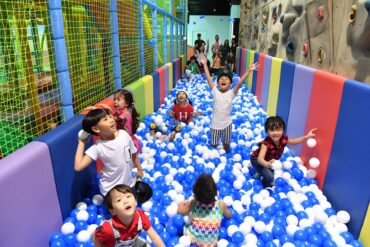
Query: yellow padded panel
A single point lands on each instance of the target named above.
(170, 74)
(274, 86)
(250, 59)
(365, 230)
(148, 92)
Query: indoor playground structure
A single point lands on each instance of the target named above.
(58, 57)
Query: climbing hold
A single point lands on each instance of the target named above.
(320, 55)
(352, 14)
(305, 49)
(290, 48)
(320, 12)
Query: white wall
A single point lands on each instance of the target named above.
(208, 26)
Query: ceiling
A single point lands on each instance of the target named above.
(210, 7)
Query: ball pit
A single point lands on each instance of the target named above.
(292, 213)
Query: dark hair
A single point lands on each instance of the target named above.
(129, 99)
(226, 73)
(181, 91)
(120, 188)
(92, 118)
(193, 58)
(199, 34)
(274, 122)
(205, 189)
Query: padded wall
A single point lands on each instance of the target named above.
(139, 95)
(274, 86)
(261, 61)
(171, 75)
(299, 103)
(242, 61)
(365, 231)
(285, 90)
(322, 114)
(249, 62)
(71, 186)
(266, 82)
(166, 79)
(148, 90)
(238, 59)
(347, 180)
(29, 207)
(255, 74)
(162, 80)
(174, 73)
(156, 90)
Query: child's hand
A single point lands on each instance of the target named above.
(202, 59)
(90, 108)
(310, 134)
(199, 113)
(270, 163)
(253, 66)
(107, 107)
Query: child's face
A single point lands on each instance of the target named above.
(106, 126)
(192, 61)
(224, 83)
(123, 204)
(119, 101)
(275, 134)
(181, 97)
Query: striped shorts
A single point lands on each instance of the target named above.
(224, 133)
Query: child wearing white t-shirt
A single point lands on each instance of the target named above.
(221, 124)
(114, 149)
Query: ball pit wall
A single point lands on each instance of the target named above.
(309, 98)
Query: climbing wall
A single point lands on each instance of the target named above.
(325, 34)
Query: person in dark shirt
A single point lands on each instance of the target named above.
(199, 42)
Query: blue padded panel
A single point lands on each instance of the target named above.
(156, 89)
(254, 79)
(347, 180)
(266, 82)
(285, 90)
(239, 59)
(71, 186)
(299, 103)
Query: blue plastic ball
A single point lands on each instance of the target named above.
(315, 239)
(178, 220)
(158, 228)
(238, 238)
(300, 235)
(347, 236)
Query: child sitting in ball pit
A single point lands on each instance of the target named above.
(272, 147)
(127, 222)
(181, 112)
(205, 211)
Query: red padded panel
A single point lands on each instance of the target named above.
(162, 78)
(261, 61)
(323, 112)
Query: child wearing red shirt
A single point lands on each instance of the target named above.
(126, 224)
(182, 111)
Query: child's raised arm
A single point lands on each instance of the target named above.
(156, 239)
(298, 140)
(81, 160)
(252, 67)
(203, 60)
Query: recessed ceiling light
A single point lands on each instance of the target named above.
(214, 10)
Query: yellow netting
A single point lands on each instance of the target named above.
(88, 42)
(29, 94)
(160, 39)
(128, 29)
(148, 39)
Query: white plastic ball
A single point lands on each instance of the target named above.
(228, 200)
(83, 236)
(158, 134)
(91, 228)
(259, 227)
(232, 229)
(288, 244)
(250, 220)
(238, 184)
(287, 165)
(147, 206)
(237, 157)
(179, 198)
(277, 165)
(171, 210)
(83, 135)
(97, 200)
(168, 178)
(251, 238)
(311, 173)
(311, 143)
(222, 243)
(187, 220)
(314, 162)
(343, 217)
(291, 229)
(81, 206)
(340, 227)
(303, 223)
(245, 228)
(292, 220)
(172, 194)
(82, 215)
(67, 228)
(185, 241)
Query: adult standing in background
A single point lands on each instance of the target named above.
(225, 49)
(216, 45)
(199, 43)
(234, 45)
